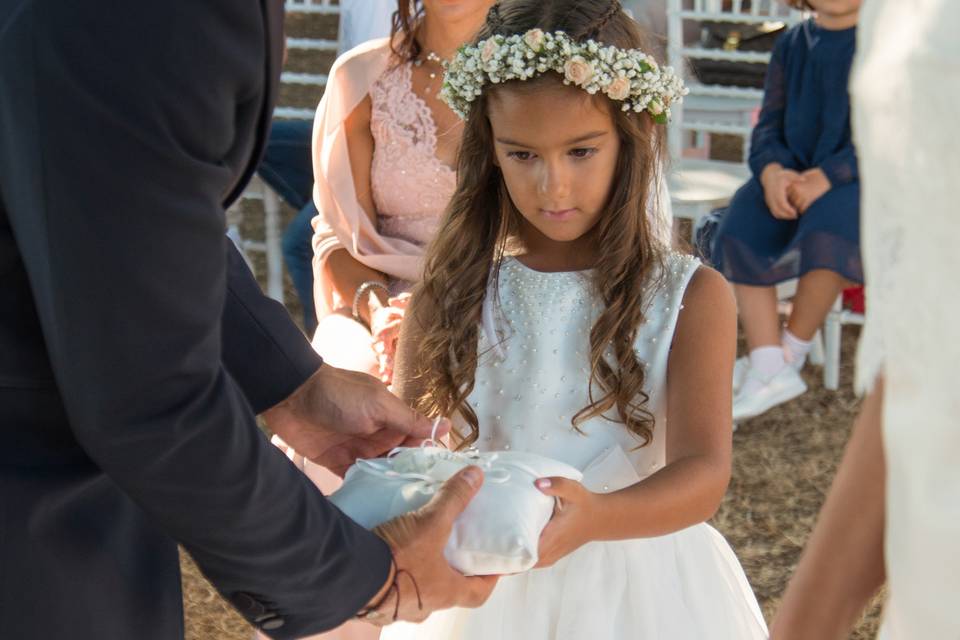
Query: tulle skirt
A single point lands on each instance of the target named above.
(684, 586)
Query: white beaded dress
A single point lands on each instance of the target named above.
(684, 586)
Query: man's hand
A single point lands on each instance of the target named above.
(573, 519)
(776, 182)
(425, 581)
(337, 416)
(812, 185)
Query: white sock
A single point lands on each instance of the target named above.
(767, 361)
(795, 349)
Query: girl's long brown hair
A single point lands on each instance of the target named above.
(481, 221)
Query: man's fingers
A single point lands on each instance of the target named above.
(396, 416)
(454, 496)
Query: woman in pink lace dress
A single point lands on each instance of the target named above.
(384, 148)
(384, 151)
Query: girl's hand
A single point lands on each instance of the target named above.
(813, 183)
(776, 182)
(574, 519)
(385, 324)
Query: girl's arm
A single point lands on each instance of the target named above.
(688, 490)
(841, 167)
(842, 566)
(767, 142)
(340, 269)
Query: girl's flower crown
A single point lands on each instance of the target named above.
(629, 76)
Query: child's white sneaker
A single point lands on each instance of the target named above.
(740, 368)
(757, 396)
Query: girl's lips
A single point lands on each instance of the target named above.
(560, 214)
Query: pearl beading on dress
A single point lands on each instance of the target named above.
(528, 391)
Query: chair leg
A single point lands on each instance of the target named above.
(271, 209)
(817, 355)
(831, 368)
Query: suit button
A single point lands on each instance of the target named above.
(270, 624)
(248, 605)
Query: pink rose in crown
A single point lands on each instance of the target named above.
(578, 71)
(655, 107)
(534, 39)
(619, 89)
(489, 48)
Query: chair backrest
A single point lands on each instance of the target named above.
(711, 108)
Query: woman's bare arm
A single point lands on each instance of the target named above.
(842, 566)
(689, 488)
(342, 270)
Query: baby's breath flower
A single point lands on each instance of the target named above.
(624, 75)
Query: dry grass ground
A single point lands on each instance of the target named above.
(783, 465)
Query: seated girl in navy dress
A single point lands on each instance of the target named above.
(798, 217)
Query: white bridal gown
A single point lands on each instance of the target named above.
(906, 94)
(683, 586)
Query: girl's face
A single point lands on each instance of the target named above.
(557, 148)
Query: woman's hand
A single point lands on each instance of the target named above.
(811, 186)
(574, 519)
(385, 322)
(776, 182)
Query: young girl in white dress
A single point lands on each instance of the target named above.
(548, 320)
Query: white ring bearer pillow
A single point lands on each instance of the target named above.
(497, 533)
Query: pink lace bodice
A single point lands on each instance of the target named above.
(411, 186)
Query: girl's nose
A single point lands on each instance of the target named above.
(555, 181)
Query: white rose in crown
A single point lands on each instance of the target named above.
(619, 89)
(628, 76)
(534, 39)
(578, 71)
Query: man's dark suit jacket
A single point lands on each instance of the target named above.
(135, 347)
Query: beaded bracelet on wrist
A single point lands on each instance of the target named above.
(362, 290)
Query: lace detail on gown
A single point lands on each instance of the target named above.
(905, 92)
(411, 186)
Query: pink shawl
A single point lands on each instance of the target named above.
(342, 223)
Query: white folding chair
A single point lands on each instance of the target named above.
(832, 331)
(699, 185)
(271, 245)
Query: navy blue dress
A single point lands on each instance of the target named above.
(804, 123)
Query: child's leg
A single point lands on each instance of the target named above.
(829, 246)
(758, 315)
(817, 290)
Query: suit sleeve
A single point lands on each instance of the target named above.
(120, 121)
(265, 352)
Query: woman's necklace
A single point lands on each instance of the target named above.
(431, 57)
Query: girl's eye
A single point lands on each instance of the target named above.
(519, 155)
(584, 152)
